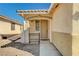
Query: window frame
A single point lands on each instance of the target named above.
(37, 25)
(12, 26)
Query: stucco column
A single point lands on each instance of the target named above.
(50, 30)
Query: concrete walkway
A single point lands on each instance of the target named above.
(44, 49)
(47, 49)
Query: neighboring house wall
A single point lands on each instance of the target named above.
(62, 28)
(5, 28)
(75, 31)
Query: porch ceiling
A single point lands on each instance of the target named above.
(41, 16)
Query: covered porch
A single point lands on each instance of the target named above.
(38, 21)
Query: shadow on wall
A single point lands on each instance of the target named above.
(76, 16)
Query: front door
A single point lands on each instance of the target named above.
(44, 29)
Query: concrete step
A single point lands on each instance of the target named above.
(14, 38)
(33, 40)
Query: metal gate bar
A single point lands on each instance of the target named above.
(34, 38)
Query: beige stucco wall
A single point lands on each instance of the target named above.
(75, 31)
(32, 26)
(62, 28)
(5, 28)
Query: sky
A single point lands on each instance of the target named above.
(9, 9)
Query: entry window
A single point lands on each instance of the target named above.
(37, 25)
(12, 26)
